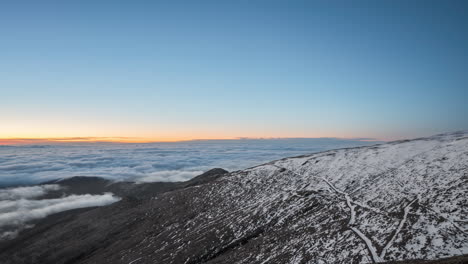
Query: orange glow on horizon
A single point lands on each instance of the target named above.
(59, 140)
(19, 130)
(20, 141)
(23, 141)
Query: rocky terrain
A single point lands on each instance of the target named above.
(403, 200)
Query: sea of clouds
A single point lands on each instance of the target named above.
(180, 161)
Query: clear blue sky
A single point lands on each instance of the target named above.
(224, 69)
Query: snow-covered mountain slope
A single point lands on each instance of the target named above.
(395, 201)
(401, 200)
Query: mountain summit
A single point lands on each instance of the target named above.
(395, 201)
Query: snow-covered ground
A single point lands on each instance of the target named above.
(395, 201)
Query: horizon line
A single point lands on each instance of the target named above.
(142, 140)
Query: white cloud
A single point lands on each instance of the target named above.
(8, 235)
(26, 192)
(15, 214)
(17, 207)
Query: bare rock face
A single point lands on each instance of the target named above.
(397, 201)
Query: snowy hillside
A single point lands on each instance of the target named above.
(402, 200)
(396, 201)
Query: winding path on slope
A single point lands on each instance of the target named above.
(351, 204)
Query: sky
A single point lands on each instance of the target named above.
(136, 71)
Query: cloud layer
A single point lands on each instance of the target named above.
(151, 161)
(17, 209)
(21, 211)
(26, 192)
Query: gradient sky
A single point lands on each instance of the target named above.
(170, 70)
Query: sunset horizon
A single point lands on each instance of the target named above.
(46, 140)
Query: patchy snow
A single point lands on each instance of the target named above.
(394, 201)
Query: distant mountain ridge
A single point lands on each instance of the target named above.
(396, 201)
(98, 185)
